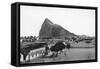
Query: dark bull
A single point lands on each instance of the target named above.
(59, 46)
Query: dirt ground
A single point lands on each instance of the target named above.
(73, 54)
(78, 51)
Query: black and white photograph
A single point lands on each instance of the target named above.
(55, 34)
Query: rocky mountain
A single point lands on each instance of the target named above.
(51, 30)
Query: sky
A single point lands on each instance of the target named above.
(77, 21)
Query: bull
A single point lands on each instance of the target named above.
(59, 47)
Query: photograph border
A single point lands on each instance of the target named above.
(15, 33)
